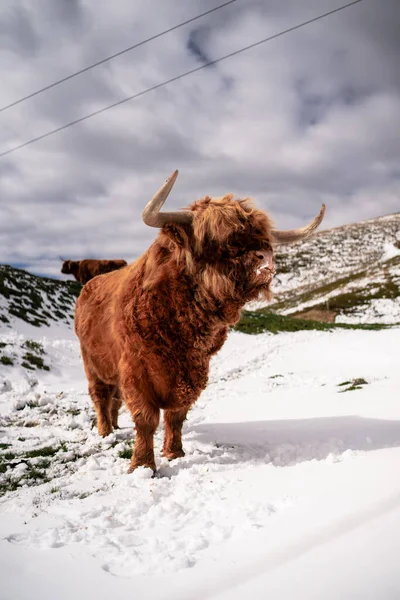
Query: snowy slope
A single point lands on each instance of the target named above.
(337, 252)
(350, 273)
(289, 487)
(29, 303)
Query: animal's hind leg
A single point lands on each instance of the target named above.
(173, 421)
(101, 395)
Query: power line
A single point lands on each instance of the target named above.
(177, 78)
(108, 58)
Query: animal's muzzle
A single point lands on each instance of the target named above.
(267, 261)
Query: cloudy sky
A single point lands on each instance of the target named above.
(310, 117)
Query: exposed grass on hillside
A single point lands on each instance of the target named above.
(355, 384)
(31, 361)
(346, 295)
(388, 288)
(6, 360)
(33, 346)
(36, 300)
(260, 321)
(35, 472)
(32, 357)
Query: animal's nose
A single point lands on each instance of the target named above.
(263, 254)
(267, 257)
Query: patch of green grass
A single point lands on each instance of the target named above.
(33, 346)
(6, 360)
(351, 388)
(127, 451)
(35, 474)
(32, 404)
(351, 300)
(74, 288)
(45, 451)
(83, 495)
(27, 366)
(8, 485)
(26, 315)
(4, 446)
(9, 455)
(355, 384)
(73, 411)
(34, 361)
(260, 321)
(3, 344)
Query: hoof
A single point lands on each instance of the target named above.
(172, 455)
(136, 466)
(105, 431)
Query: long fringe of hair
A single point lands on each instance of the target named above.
(177, 247)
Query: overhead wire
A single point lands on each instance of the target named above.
(112, 56)
(178, 77)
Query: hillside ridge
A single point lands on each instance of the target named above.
(348, 274)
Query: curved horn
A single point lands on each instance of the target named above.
(151, 214)
(294, 235)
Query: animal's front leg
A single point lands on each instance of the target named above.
(146, 422)
(139, 398)
(173, 421)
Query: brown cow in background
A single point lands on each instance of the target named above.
(85, 270)
(150, 329)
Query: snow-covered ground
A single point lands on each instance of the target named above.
(289, 489)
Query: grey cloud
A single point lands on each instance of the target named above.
(17, 32)
(196, 42)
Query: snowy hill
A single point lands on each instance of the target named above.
(33, 310)
(349, 274)
(35, 301)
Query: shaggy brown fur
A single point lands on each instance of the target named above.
(150, 329)
(85, 270)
